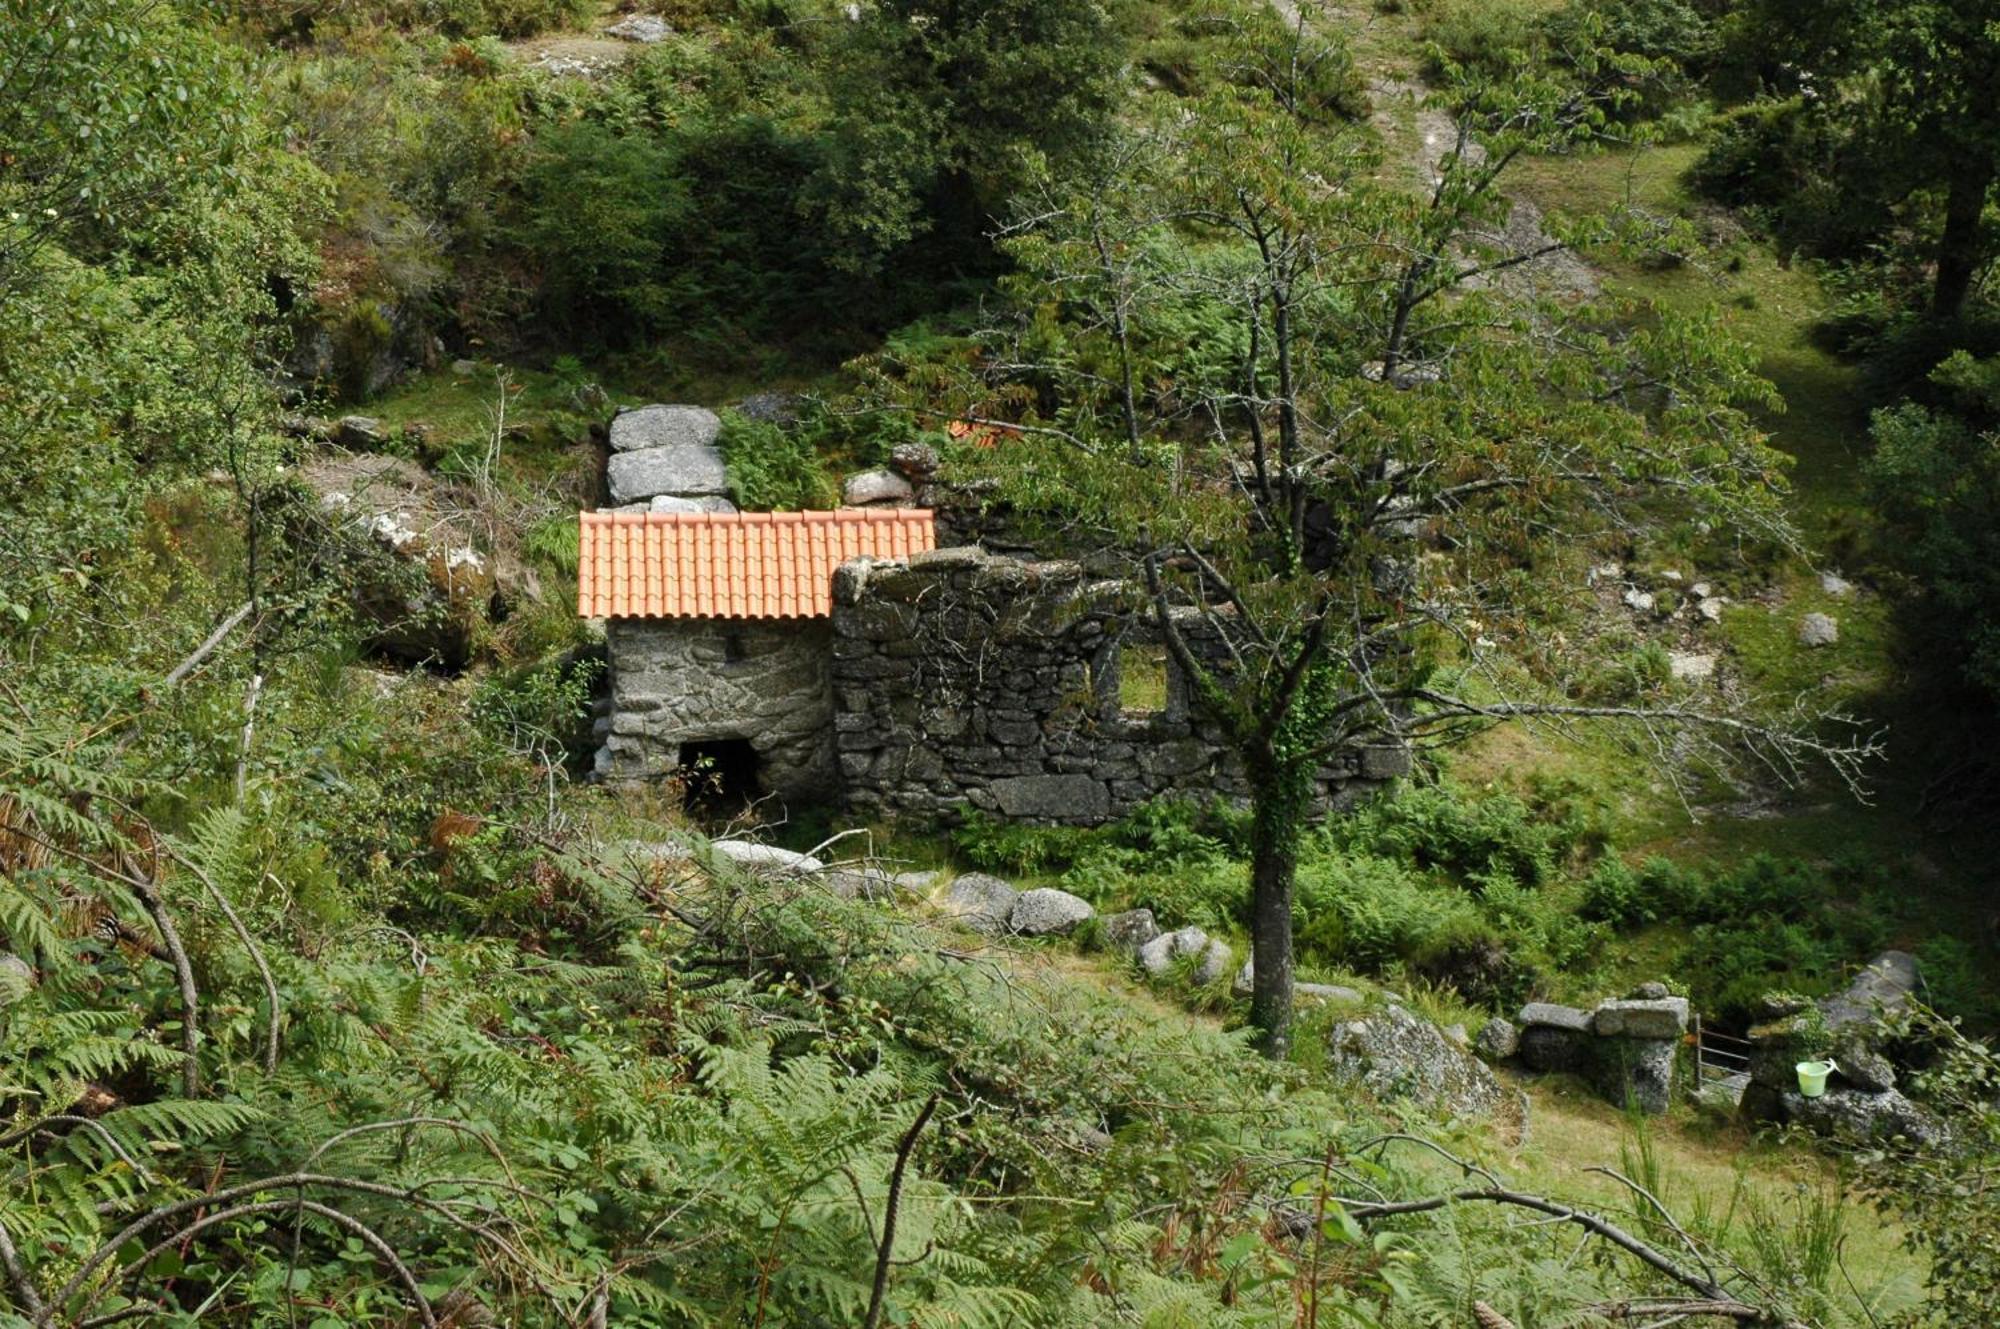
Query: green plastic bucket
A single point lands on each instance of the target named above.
(1812, 1076)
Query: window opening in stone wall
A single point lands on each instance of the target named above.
(720, 776)
(1142, 678)
(733, 649)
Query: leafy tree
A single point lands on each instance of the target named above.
(1906, 85)
(935, 101)
(1367, 508)
(1935, 480)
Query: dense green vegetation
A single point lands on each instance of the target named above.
(330, 994)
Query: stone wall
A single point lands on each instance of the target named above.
(964, 677)
(676, 681)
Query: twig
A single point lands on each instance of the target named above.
(884, 1256)
(24, 1286)
(207, 647)
(249, 944)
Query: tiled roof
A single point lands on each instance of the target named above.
(734, 564)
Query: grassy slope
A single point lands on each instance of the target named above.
(1823, 427)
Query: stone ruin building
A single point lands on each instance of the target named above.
(844, 657)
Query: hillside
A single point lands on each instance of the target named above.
(1416, 588)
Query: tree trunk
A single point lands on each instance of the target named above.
(1959, 251)
(1274, 862)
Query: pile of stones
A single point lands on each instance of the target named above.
(1630, 1047)
(665, 459)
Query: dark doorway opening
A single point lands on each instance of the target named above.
(721, 775)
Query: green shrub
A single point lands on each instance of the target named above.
(773, 467)
(1486, 36)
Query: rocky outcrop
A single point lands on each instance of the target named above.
(1851, 1027)
(1395, 1054)
(1129, 930)
(416, 568)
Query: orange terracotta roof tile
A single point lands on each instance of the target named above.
(733, 564)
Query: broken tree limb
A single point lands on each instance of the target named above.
(208, 645)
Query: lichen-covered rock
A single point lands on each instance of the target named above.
(1046, 911)
(17, 979)
(645, 29)
(1862, 1066)
(980, 902)
(876, 486)
(664, 427)
(1552, 1016)
(1130, 930)
(1663, 1017)
(1819, 630)
(690, 471)
(1640, 1070)
(1157, 956)
(1858, 1117)
(1498, 1039)
(1397, 1055)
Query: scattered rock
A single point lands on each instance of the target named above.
(464, 368)
(1835, 585)
(861, 883)
(1663, 1017)
(1158, 955)
(1650, 992)
(1710, 609)
(660, 426)
(1456, 1033)
(643, 28)
(17, 979)
(771, 408)
(1046, 911)
(1701, 590)
(1671, 574)
(1395, 1054)
(981, 902)
(1638, 601)
(915, 462)
(1246, 980)
(767, 859)
(358, 431)
(1130, 930)
(1498, 1039)
(916, 883)
(1692, 666)
(1819, 630)
(877, 486)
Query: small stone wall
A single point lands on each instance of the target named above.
(676, 681)
(963, 677)
(1630, 1049)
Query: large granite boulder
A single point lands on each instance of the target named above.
(1498, 1039)
(689, 472)
(981, 902)
(664, 427)
(1883, 988)
(1395, 1054)
(1046, 911)
(1554, 1038)
(876, 487)
(764, 859)
(1662, 1017)
(1859, 1117)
